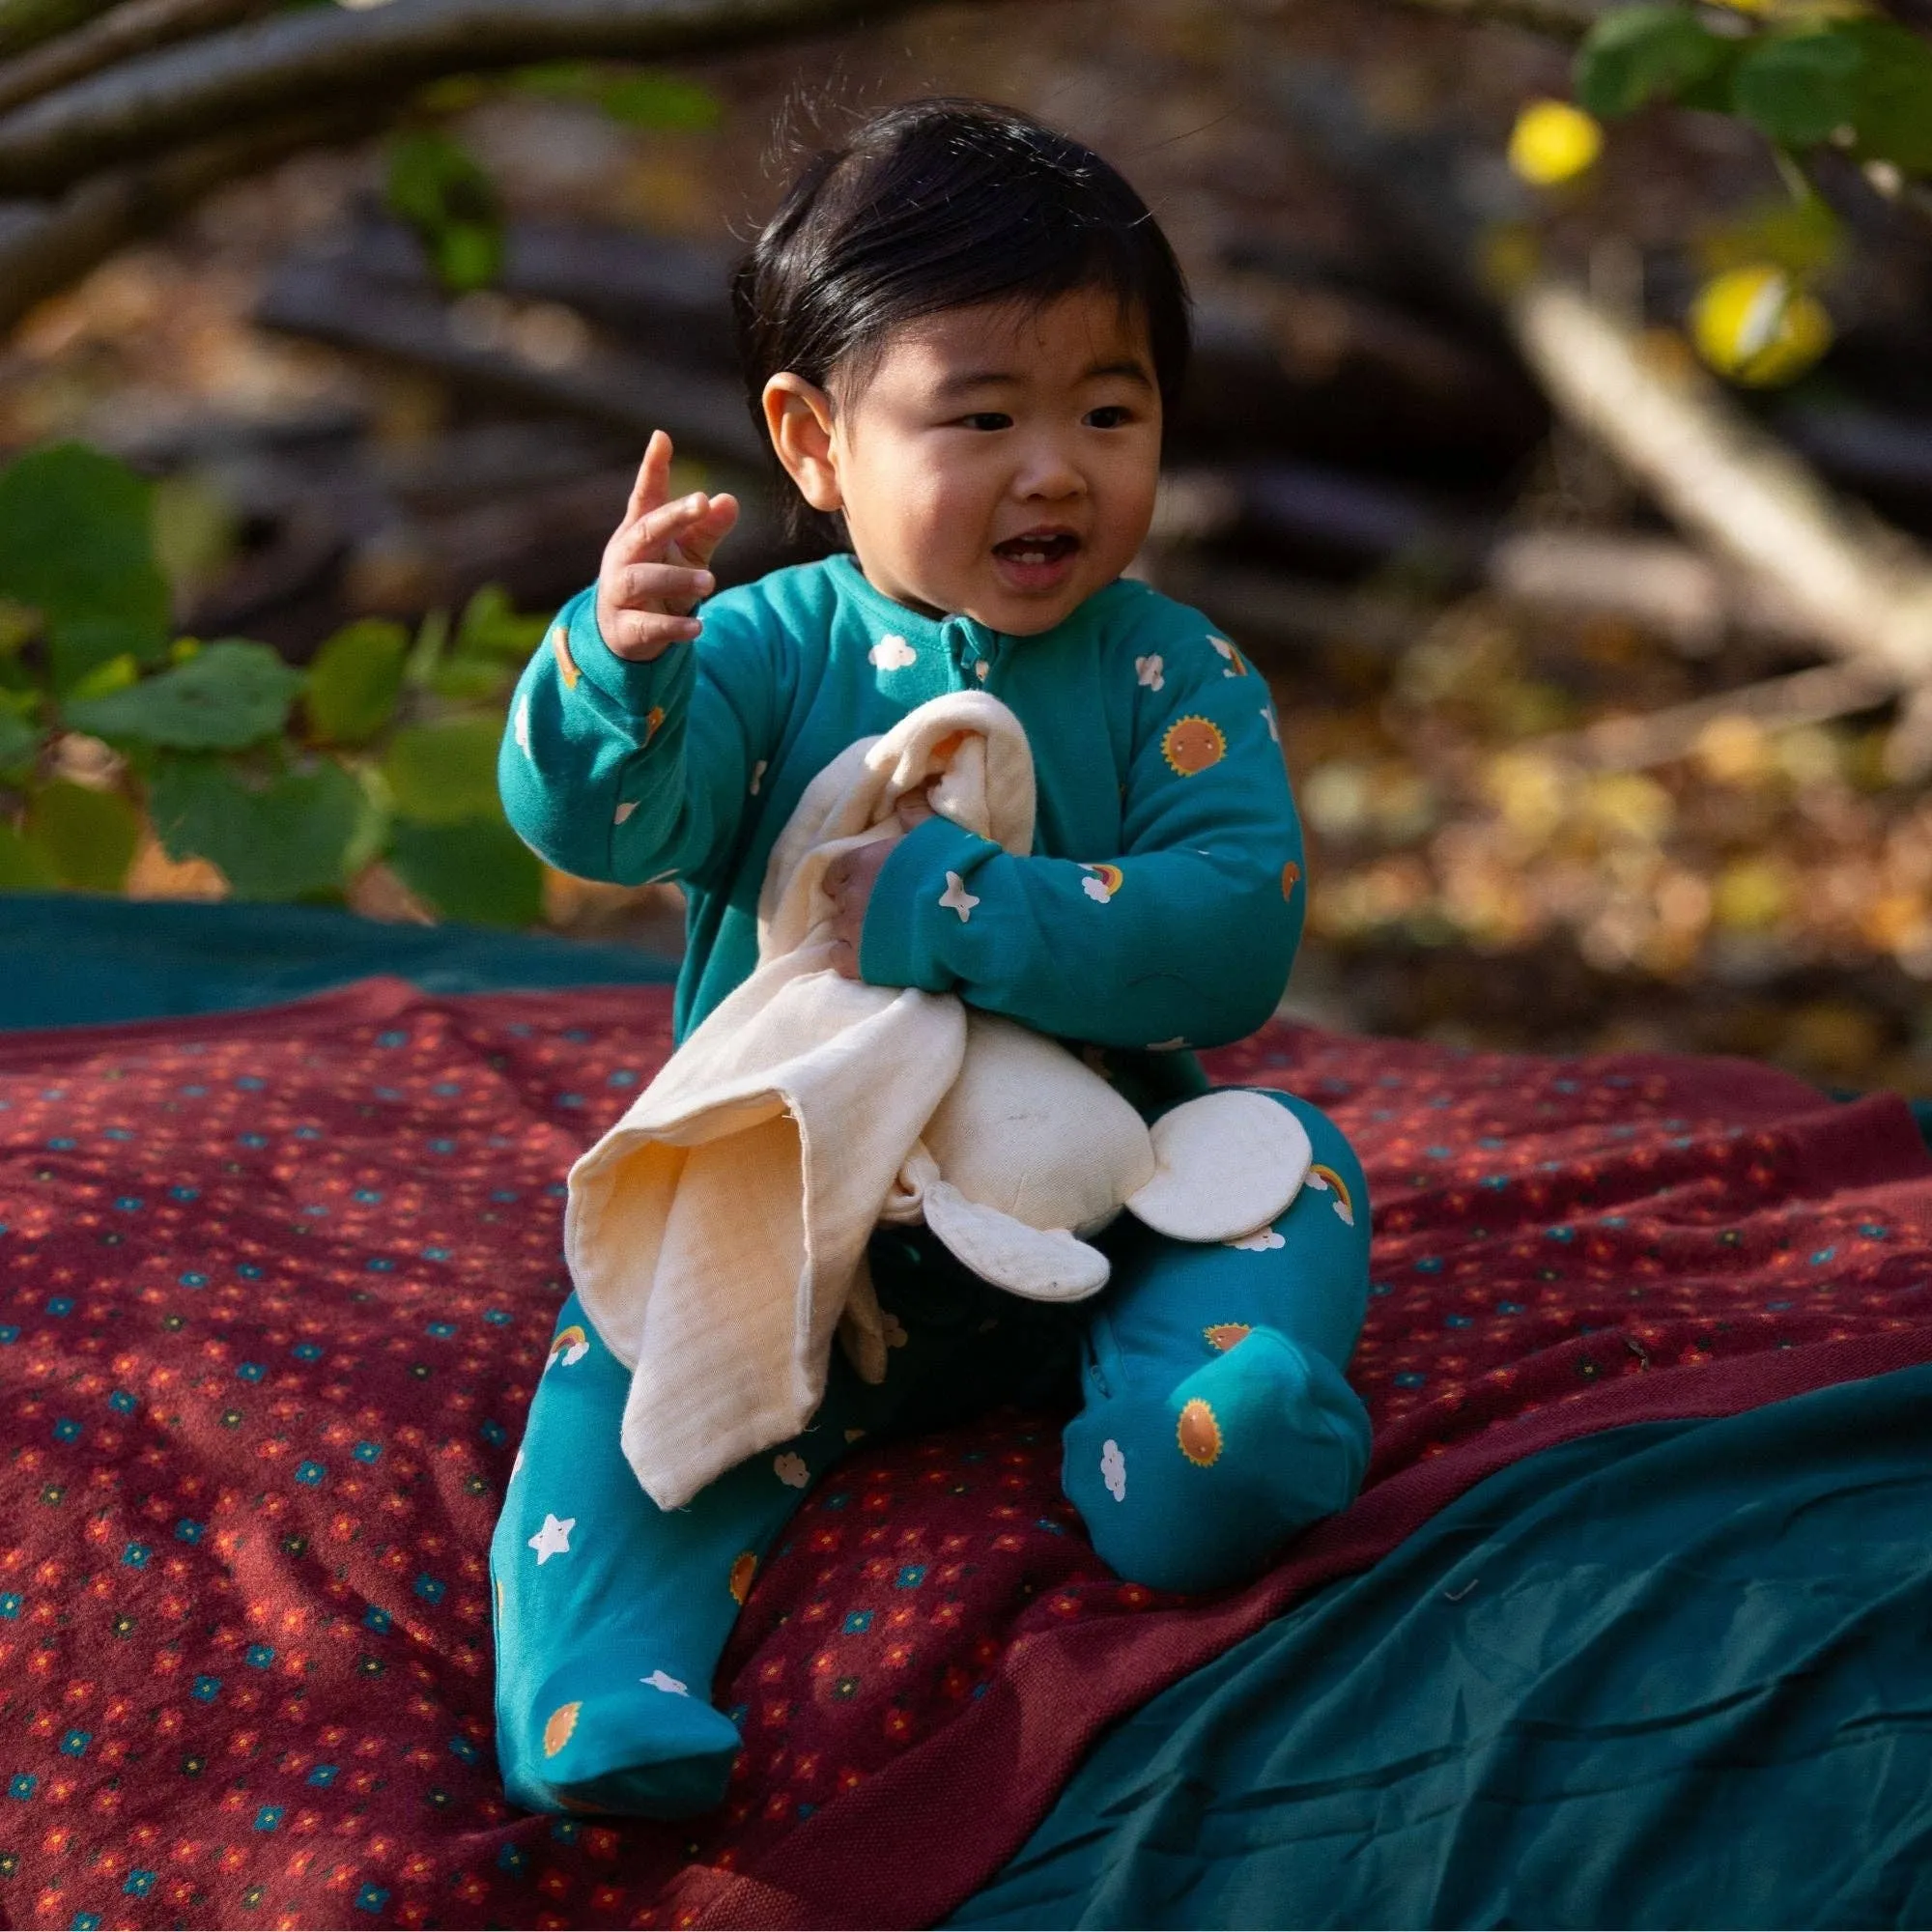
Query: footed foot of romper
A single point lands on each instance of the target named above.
(611, 1736)
(1197, 1487)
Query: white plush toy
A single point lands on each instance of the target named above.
(717, 1234)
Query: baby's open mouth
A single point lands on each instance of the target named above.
(1037, 547)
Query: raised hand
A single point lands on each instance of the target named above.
(655, 566)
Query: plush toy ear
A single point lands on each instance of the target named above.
(1043, 1265)
(1225, 1165)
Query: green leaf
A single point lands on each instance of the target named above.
(286, 839)
(79, 647)
(443, 774)
(1892, 104)
(1796, 88)
(25, 867)
(194, 531)
(643, 97)
(356, 680)
(90, 836)
(466, 255)
(229, 695)
(75, 543)
(116, 674)
(492, 626)
(480, 871)
(19, 743)
(1636, 55)
(17, 623)
(438, 188)
(660, 100)
(465, 680)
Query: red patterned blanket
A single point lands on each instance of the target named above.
(275, 1287)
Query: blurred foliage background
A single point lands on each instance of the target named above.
(300, 450)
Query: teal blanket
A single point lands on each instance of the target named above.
(1676, 1674)
(69, 960)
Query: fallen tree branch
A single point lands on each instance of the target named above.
(1866, 591)
(1862, 589)
(27, 23)
(48, 247)
(1814, 697)
(134, 27)
(322, 55)
(577, 374)
(1556, 19)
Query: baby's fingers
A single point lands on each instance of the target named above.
(645, 635)
(650, 535)
(653, 482)
(643, 585)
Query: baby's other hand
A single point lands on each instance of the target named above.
(850, 877)
(654, 570)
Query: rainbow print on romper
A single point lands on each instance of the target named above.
(1331, 1183)
(1103, 882)
(570, 1346)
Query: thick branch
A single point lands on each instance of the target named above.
(1814, 697)
(132, 28)
(1864, 591)
(1559, 19)
(322, 55)
(44, 249)
(27, 23)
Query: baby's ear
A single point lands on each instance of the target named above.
(798, 414)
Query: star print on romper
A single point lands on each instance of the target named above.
(956, 898)
(552, 1539)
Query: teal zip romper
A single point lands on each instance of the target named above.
(1158, 912)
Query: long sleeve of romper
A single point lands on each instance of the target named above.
(1184, 937)
(630, 771)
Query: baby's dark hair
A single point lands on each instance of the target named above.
(943, 203)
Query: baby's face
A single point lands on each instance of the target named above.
(1001, 460)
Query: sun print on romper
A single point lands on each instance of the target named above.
(1193, 744)
(1199, 1435)
(558, 1726)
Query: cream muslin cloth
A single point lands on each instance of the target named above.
(717, 1234)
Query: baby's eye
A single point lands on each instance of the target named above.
(1110, 416)
(986, 419)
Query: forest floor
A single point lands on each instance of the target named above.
(1768, 895)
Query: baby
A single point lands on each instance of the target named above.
(961, 332)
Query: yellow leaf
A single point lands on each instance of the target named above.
(1752, 895)
(1554, 142)
(1756, 327)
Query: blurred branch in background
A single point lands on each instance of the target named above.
(133, 27)
(27, 23)
(117, 145)
(318, 55)
(45, 247)
(1861, 590)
